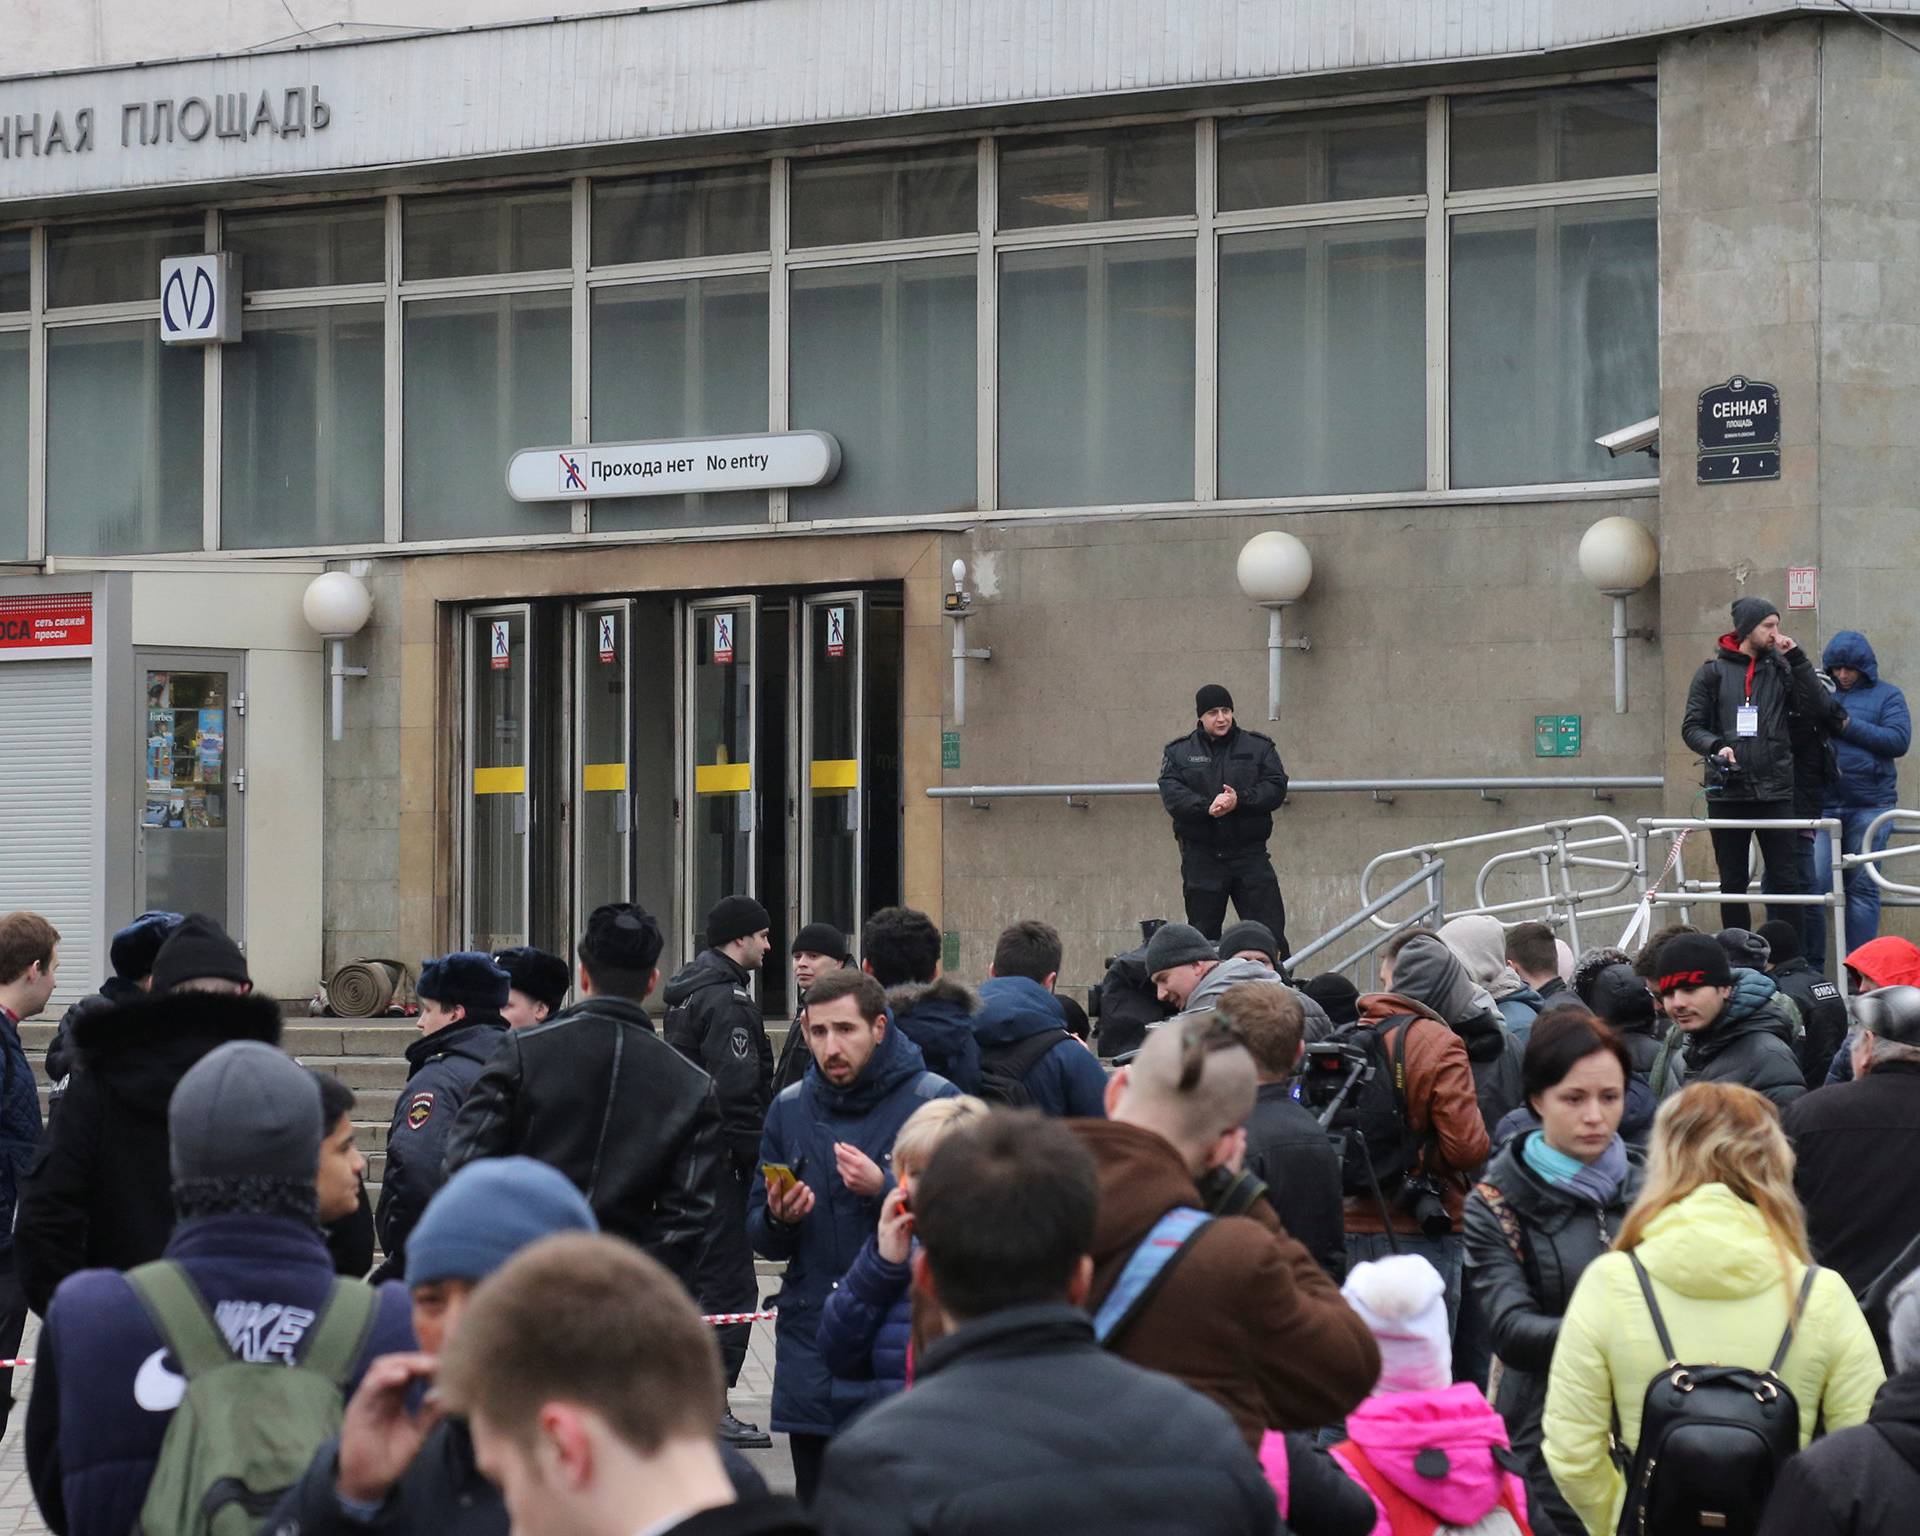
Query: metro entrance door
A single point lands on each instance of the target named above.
(721, 793)
(499, 715)
(602, 753)
(833, 800)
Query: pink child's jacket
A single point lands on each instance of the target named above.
(1390, 1430)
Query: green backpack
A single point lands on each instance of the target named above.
(244, 1433)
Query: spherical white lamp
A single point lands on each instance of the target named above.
(1618, 556)
(337, 605)
(1275, 567)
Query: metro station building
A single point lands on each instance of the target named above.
(1082, 294)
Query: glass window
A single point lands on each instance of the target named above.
(301, 429)
(680, 360)
(123, 441)
(14, 256)
(1570, 133)
(109, 263)
(680, 214)
(1322, 157)
(883, 358)
(1323, 360)
(525, 230)
(484, 377)
(1554, 341)
(894, 196)
(1096, 374)
(1081, 178)
(13, 445)
(308, 247)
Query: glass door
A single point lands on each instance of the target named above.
(499, 695)
(832, 796)
(187, 852)
(722, 795)
(602, 751)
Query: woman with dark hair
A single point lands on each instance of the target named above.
(1548, 1205)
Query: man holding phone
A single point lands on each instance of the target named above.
(823, 1174)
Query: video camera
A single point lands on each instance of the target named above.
(1329, 1072)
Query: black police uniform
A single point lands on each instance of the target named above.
(1226, 856)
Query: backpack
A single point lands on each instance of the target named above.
(1712, 1437)
(243, 1433)
(1004, 1068)
(1379, 1132)
(1146, 1270)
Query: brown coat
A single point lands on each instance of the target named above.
(1246, 1317)
(1440, 1099)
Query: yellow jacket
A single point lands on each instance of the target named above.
(1717, 1276)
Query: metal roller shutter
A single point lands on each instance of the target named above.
(47, 845)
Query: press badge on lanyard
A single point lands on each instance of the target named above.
(1746, 720)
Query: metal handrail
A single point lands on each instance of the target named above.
(1871, 862)
(1424, 875)
(1690, 891)
(1488, 787)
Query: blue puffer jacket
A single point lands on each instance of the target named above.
(1069, 1079)
(866, 1326)
(937, 1016)
(1878, 729)
(802, 1126)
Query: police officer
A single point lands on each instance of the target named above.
(460, 997)
(712, 1021)
(1221, 786)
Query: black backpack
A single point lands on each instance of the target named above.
(1004, 1068)
(1379, 1105)
(1712, 1437)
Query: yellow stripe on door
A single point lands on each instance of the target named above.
(835, 773)
(499, 781)
(722, 778)
(603, 776)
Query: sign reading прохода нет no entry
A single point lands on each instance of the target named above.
(771, 461)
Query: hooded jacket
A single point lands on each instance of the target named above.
(1230, 973)
(713, 1021)
(1718, 1277)
(1774, 686)
(99, 1192)
(1020, 1424)
(1621, 999)
(1195, 768)
(1855, 1148)
(1751, 1043)
(1385, 1437)
(441, 1069)
(1246, 1317)
(1069, 1079)
(1528, 1243)
(1883, 962)
(937, 1016)
(1429, 972)
(1481, 944)
(1863, 1481)
(802, 1127)
(1879, 730)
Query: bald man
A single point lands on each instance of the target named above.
(1245, 1316)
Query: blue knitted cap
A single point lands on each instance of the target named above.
(488, 1212)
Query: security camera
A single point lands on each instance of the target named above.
(1641, 437)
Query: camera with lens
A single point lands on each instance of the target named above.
(1421, 1199)
(1328, 1072)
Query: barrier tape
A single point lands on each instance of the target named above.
(725, 1319)
(1643, 919)
(14, 1365)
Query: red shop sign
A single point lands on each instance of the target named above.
(57, 625)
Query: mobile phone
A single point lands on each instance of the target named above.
(780, 1178)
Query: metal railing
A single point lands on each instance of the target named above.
(1080, 796)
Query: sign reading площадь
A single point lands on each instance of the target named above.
(1739, 432)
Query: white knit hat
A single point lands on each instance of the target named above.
(1402, 1300)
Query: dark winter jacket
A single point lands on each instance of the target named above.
(442, 1494)
(350, 1240)
(20, 1124)
(1773, 684)
(1020, 1424)
(866, 1327)
(1528, 1243)
(1878, 730)
(713, 1021)
(1069, 1079)
(937, 1016)
(1289, 1151)
(1751, 1043)
(1855, 1148)
(802, 1127)
(115, 992)
(1636, 1120)
(1194, 769)
(1129, 1005)
(441, 1070)
(1823, 1015)
(102, 1393)
(1863, 1481)
(597, 1094)
(99, 1193)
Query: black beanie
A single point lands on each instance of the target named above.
(1693, 960)
(1748, 612)
(734, 917)
(1783, 941)
(821, 939)
(1339, 997)
(1212, 696)
(541, 976)
(199, 947)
